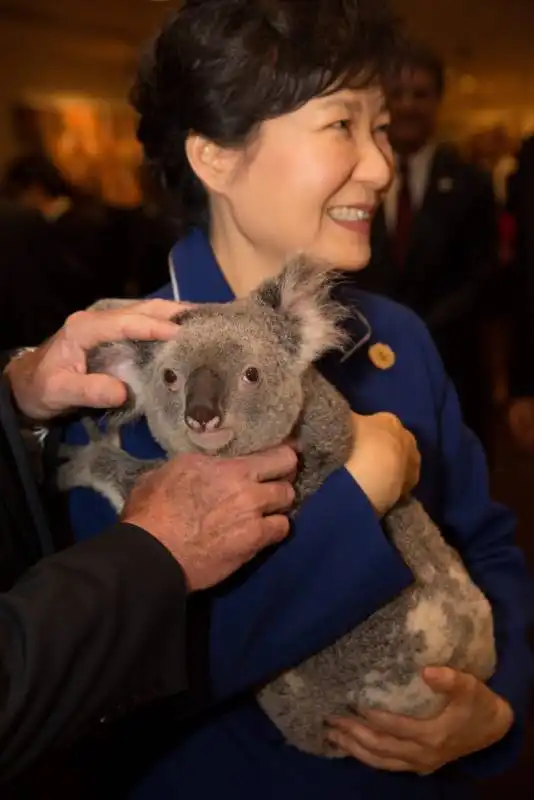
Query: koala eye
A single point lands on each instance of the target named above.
(170, 376)
(251, 375)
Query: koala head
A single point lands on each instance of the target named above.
(231, 381)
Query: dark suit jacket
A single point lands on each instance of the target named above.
(86, 635)
(451, 262)
(521, 205)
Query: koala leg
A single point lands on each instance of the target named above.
(101, 465)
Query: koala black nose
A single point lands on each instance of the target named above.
(202, 404)
(202, 418)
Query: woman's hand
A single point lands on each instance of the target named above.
(385, 461)
(473, 719)
(53, 379)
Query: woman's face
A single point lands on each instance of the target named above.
(311, 180)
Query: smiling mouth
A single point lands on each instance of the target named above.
(350, 214)
(211, 441)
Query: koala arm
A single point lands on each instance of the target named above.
(91, 511)
(483, 532)
(101, 465)
(334, 571)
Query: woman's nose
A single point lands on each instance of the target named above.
(375, 166)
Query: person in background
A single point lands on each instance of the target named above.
(30, 307)
(35, 182)
(268, 125)
(434, 240)
(85, 265)
(99, 629)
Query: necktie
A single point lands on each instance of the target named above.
(403, 225)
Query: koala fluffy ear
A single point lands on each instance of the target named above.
(126, 360)
(301, 295)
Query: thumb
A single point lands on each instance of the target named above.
(442, 679)
(93, 391)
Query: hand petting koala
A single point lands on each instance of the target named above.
(238, 379)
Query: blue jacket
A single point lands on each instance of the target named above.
(335, 570)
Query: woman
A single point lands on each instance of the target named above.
(266, 121)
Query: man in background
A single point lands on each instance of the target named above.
(434, 241)
(84, 265)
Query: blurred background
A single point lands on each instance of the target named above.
(66, 69)
(67, 66)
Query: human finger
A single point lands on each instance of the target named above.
(352, 748)
(273, 496)
(381, 744)
(157, 307)
(71, 389)
(278, 462)
(90, 328)
(275, 528)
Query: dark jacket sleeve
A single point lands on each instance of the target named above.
(85, 636)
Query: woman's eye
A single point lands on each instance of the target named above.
(342, 125)
(383, 129)
(251, 375)
(170, 377)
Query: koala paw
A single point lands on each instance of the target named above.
(88, 464)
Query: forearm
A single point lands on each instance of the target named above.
(84, 633)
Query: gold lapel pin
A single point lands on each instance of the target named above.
(381, 355)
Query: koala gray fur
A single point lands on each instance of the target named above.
(198, 393)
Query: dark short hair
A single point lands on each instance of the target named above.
(221, 67)
(34, 169)
(418, 55)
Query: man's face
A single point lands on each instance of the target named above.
(413, 100)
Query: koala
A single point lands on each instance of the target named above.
(239, 378)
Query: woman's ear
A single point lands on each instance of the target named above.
(212, 164)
